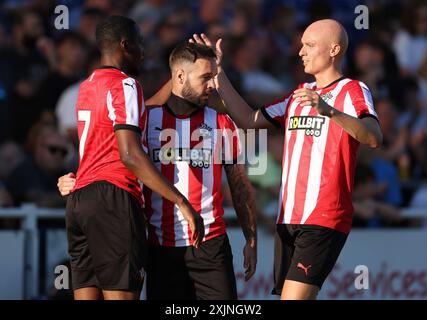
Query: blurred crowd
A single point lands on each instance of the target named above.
(41, 69)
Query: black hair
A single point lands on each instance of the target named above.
(188, 51)
(110, 31)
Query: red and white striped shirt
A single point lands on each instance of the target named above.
(108, 100)
(319, 157)
(191, 144)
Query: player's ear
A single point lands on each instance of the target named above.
(180, 74)
(125, 45)
(335, 50)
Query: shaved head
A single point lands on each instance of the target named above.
(330, 31)
(324, 44)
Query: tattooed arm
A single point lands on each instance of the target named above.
(244, 205)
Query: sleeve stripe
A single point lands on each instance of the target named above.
(127, 127)
(269, 118)
(131, 101)
(231, 147)
(367, 115)
(111, 110)
(274, 112)
(349, 107)
(368, 99)
(360, 99)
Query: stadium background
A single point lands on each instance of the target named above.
(40, 69)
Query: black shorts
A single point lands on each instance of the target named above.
(187, 273)
(305, 253)
(106, 238)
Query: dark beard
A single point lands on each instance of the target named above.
(189, 94)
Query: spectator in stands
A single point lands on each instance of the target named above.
(419, 198)
(395, 138)
(373, 64)
(282, 29)
(369, 209)
(148, 13)
(211, 10)
(65, 108)
(71, 53)
(247, 60)
(23, 65)
(65, 112)
(171, 28)
(34, 179)
(385, 174)
(89, 18)
(10, 156)
(415, 119)
(410, 42)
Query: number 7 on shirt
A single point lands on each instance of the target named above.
(83, 115)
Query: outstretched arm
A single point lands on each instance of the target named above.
(237, 107)
(239, 110)
(161, 96)
(244, 205)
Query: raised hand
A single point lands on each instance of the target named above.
(203, 39)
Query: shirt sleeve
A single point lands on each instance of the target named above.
(126, 105)
(231, 144)
(275, 112)
(359, 101)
